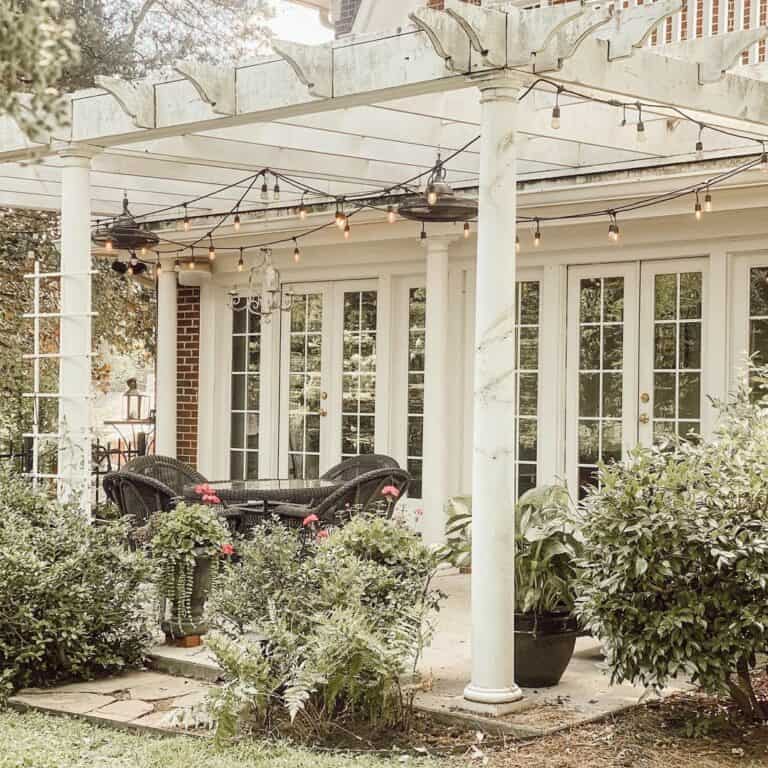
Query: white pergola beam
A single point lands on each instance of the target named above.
(215, 85)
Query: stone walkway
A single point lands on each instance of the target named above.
(150, 701)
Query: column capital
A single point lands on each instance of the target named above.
(439, 243)
(78, 154)
(499, 86)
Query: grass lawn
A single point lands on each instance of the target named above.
(690, 731)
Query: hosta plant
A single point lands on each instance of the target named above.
(675, 573)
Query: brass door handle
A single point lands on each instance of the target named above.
(644, 419)
(323, 412)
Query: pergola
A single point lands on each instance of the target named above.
(364, 113)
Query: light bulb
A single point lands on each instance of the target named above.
(466, 230)
(537, 236)
(108, 244)
(158, 268)
(347, 231)
(237, 222)
(211, 252)
(265, 191)
(186, 220)
(276, 191)
(764, 162)
(556, 116)
(240, 263)
(176, 266)
(191, 264)
(302, 212)
(517, 243)
(391, 214)
(130, 269)
(697, 211)
(699, 150)
(341, 219)
(708, 202)
(296, 253)
(641, 137)
(431, 195)
(143, 250)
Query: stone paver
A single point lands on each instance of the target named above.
(124, 711)
(194, 699)
(167, 688)
(69, 703)
(105, 686)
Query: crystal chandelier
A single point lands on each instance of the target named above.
(264, 296)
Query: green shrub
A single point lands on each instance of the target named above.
(321, 628)
(70, 593)
(675, 577)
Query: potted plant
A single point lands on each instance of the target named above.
(186, 544)
(548, 542)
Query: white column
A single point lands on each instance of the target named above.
(436, 378)
(493, 579)
(166, 375)
(75, 328)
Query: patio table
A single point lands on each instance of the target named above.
(255, 496)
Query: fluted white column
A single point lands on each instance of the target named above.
(436, 377)
(75, 328)
(166, 374)
(493, 579)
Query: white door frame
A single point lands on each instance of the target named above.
(741, 266)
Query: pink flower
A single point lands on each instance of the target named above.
(211, 498)
(323, 534)
(227, 549)
(309, 519)
(204, 489)
(390, 491)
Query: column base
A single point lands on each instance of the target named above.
(492, 701)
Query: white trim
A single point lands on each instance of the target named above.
(739, 293)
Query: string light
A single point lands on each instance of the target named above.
(466, 230)
(556, 111)
(158, 265)
(143, 250)
(108, 243)
(700, 145)
(517, 243)
(302, 208)
(186, 219)
(264, 188)
(236, 221)
(134, 261)
(211, 250)
(641, 137)
(537, 235)
(613, 228)
(697, 207)
(341, 219)
(764, 161)
(276, 190)
(391, 214)
(241, 262)
(708, 201)
(192, 264)
(423, 235)
(296, 252)
(176, 266)
(347, 229)
(431, 195)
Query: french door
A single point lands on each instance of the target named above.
(328, 377)
(635, 348)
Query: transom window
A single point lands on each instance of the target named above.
(246, 385)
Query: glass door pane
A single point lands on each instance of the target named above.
(676, 392)
(358, 378)
(246, 388)
(305, 402)
(417, 329)
(527, 384)
(758, 314)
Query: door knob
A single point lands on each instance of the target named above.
(323, 395)
(645, 397)
(644, 418)
(323, 412)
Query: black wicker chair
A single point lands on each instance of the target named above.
(358, 465)
(171, 472)
(360, 494)
(138, 496)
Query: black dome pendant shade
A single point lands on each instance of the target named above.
(124, 234)
(439, 203)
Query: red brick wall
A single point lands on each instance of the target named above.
(188, 373)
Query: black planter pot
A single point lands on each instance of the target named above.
(176, 627)
(544, 645)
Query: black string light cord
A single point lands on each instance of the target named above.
(370, 198)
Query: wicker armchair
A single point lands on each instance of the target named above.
(138, 496)
(358, 465)
(171, 472)
(356, 495)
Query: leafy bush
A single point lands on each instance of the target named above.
(548, 542)
(675, 576)
(324, 628)
(70, 593)
(457, 550)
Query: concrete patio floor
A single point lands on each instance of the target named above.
(161, 699)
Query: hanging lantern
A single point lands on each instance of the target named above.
(134, 402)
(440, 203)
(125, 234)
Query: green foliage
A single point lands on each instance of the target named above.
(321, 629)
(178, 538)
(35, 48)
(675, 577)
(458, 532)
(70, 593)
(548, 542)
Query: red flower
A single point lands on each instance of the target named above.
(227, 549)
(309, 519)
(323, 534)
(390, 491)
